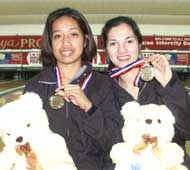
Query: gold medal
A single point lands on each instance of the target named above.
(147, 73)
(56, 101)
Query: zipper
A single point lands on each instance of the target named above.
(67, 117)
(140, 91)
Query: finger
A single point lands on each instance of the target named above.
(155, 57)
(60, 90)
(67, 99)
(71, 98)
(71, 86)
(62, 93)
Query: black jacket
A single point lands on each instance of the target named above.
(174, 95)
(89, 136)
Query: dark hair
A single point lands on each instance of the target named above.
(116, 22)
(47, 57)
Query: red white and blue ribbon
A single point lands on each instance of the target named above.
(86, 81)
(117, 72)
(59, 79)
(137, 79)
(58, 75)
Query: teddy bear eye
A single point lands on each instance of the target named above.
(8, 134)
(159, 121)
(28, 125)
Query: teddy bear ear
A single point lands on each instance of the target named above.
(168, 114)
(130, 108)
(32, 98)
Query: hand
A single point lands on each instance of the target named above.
(162, 69)
(73, 93)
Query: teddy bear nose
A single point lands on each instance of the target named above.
(19, 139)
(148, 121)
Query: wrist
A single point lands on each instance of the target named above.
(92, 110)
(87, 107)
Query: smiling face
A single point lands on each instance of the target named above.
(122, 45)
(67, 41)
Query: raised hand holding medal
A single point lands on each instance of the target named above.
(162, 69)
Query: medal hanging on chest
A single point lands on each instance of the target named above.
(56, 101)
(147, 73)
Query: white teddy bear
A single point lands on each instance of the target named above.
(148, 131)
(29, 143)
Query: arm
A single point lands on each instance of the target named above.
(175, 96)
(103, 123)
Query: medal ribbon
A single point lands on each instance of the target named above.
(83, 85)
(116, 72)
(86, 80)
(58, 75)
(59, 78)
(137, 80)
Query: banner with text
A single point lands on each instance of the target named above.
(30, 43)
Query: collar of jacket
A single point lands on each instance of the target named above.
(49, 75)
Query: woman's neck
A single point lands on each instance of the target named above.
(67, 72)
(126, 81)
(128, 78)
